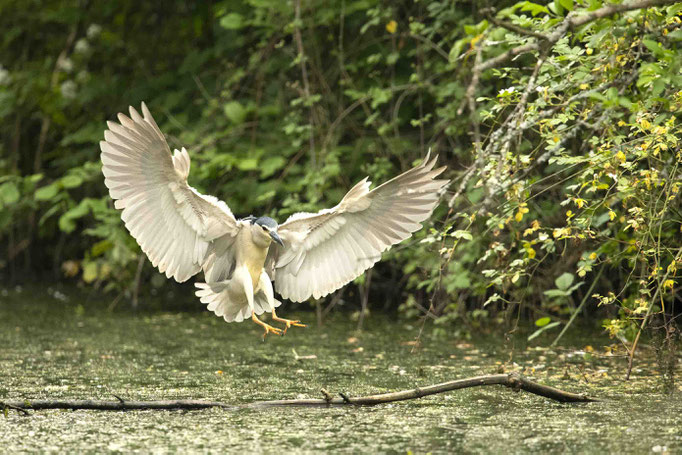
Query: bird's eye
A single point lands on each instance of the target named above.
(264, 228)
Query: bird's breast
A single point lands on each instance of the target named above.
(251, 256)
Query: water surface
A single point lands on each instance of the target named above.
(54, 347)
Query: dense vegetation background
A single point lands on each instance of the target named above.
(558, 122)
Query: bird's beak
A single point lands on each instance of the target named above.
(276, 238)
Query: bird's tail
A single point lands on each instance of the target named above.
(232, 307)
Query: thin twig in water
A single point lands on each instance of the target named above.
(14, 408)
(580, 307)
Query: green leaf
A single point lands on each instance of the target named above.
(534, 8)
(462, 235)
(67, 222)
(564, 281)
(232, 21)
(100, 247)
(46, 193)
(567, 4)
(71, 181)
(556, 293)
(676, 35)
(539, 331)
(457, 49)
(380, 96)
(594, 4)
(247, 164)
(9, 193)
(271, 165)
(493, 298)
(266, 196)
(235, 112)
(543, 321)
(654, 47)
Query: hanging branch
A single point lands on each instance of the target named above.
(513, 381)
(511, 27)
(572, 20)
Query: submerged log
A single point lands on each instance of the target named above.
(513, 381)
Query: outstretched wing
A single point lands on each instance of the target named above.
(323, 251)
(172, 222)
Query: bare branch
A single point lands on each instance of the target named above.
(515, 28)
(513, 381)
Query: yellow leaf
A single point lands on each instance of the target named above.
(531, 252)
(593, 256)
(668, 284)
(584, 86)
(589, 51)
(391, 27)
(620, 156)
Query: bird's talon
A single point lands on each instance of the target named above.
(270, 329)
(288, 323)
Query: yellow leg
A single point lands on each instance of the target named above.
(288, 322)
(268, 328)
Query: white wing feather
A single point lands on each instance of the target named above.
(172, 222)
(323, 251)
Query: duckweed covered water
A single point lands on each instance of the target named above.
(50, 348)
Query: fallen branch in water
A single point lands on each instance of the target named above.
(513, 381)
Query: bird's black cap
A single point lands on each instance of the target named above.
(265, 221)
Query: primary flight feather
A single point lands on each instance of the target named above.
(311, 255)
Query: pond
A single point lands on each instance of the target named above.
(52, 347)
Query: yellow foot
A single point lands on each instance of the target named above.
(268, 328)
(288, 322)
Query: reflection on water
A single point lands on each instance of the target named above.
(55, 349)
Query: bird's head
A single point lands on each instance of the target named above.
(266, 229)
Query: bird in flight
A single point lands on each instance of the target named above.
(183, 231)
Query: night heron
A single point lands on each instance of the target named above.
(311, 255)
